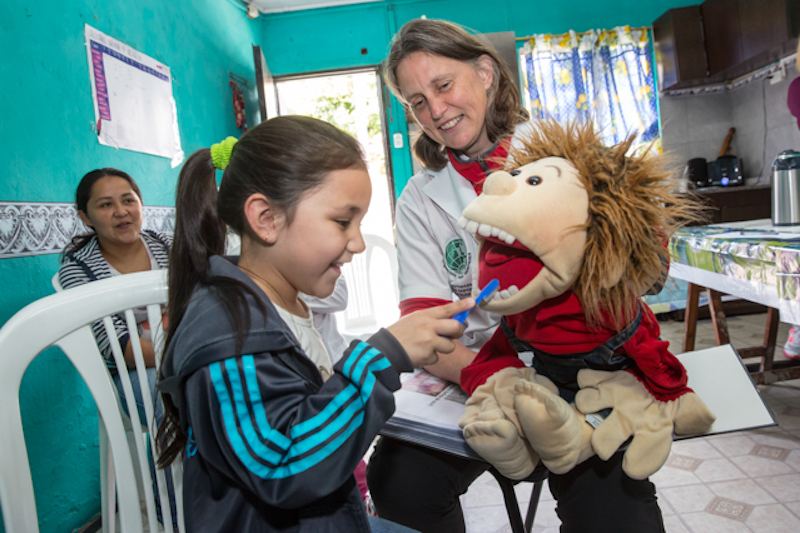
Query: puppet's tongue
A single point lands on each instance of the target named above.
(512, 266)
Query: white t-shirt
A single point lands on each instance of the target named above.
(140, 313)
(310, 340)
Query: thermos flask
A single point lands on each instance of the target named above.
(786, 189)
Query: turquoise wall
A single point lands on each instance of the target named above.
(47, 134)
(47, 131)
(333, 38)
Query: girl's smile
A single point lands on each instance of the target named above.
(310, 248)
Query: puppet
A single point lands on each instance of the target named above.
(575, 231)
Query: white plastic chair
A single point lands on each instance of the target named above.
(373, 293)
(64, 320)
(107, 477)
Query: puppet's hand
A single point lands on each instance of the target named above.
(491, 426)
(636, 413)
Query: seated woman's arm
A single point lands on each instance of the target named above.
(70, 275)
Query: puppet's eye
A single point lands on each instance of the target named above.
(514, 172)
(534, 180)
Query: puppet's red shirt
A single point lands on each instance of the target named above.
(558, 327)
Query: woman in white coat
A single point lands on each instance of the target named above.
(468, 106)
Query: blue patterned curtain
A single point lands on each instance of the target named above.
(602, 75)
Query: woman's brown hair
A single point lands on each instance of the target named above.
(84, 193)
(446, 39)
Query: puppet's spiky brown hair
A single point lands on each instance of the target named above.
(634, 208)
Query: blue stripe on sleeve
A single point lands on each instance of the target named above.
(341, 399)
(371, 354)
(353, 357)
(348, 421)
(257, 403)
(229, 420)
(246, 424)
(354, 410)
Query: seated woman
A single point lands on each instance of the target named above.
(110, 203)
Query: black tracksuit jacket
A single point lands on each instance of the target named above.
(272, 447)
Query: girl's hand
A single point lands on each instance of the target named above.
(423, 333)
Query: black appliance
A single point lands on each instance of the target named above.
(725, 171)
(697, 172)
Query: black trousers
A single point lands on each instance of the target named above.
(419, 488)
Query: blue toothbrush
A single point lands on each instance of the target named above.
(487, 290)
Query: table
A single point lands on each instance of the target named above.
(752, 260)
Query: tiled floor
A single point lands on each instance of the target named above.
(740, 482)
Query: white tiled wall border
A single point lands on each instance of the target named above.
(40, 228)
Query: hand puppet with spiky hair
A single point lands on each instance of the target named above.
(574, 231)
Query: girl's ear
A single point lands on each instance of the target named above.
(263, 218)
(85, 219)
(485, 67)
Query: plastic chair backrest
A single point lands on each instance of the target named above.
(64, 320)
(372, 286)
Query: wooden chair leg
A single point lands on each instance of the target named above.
(718, 317)
(770, 334)
(690, 317)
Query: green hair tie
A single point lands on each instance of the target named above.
(221, 152)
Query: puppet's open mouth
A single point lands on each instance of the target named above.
(514, 266)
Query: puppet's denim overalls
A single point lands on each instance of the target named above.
(563, 369)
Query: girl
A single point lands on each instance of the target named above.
(268, 444)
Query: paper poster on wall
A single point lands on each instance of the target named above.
(133, 104)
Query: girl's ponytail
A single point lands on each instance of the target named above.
(199, 234)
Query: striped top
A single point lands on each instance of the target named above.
(88, 264)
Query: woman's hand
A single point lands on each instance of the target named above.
(423, 333)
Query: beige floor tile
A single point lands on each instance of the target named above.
(773, 519)
(742, 490)
(484, 492)
(673, 524)
(759, 467)
(779, 439)
(793, 507)
(784, 488)
(721, 469)
(664, 505)
(491, 518)
(733, 444)
(788, 421)
(673, 477)
(709, 523)
(698, 448)
(689, 498)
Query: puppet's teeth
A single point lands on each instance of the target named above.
(495, 231)
(471, 226)
(512, 290)
(504, 294)
(504, 236)
(485, 230)
(462, 222)
(509, 239)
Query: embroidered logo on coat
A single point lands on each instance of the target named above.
(456, 257)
